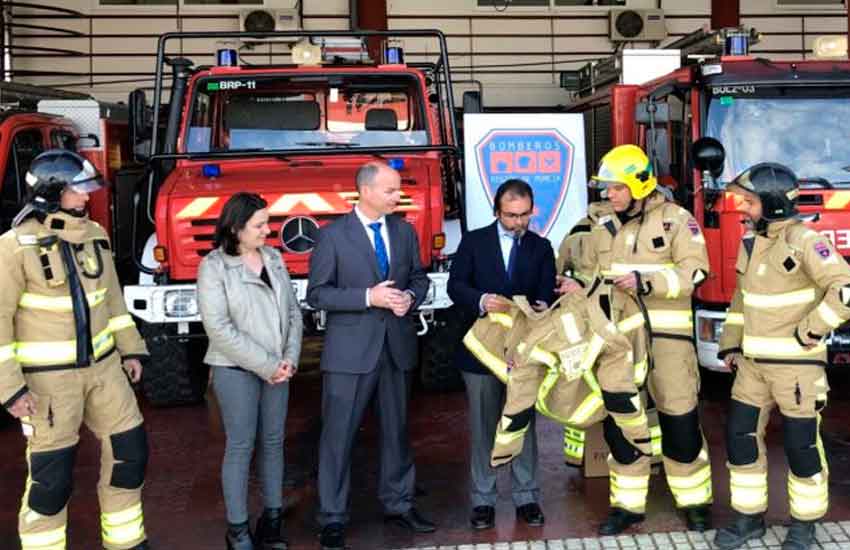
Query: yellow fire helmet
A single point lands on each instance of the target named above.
(627, 165)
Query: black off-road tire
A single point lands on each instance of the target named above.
(174, 373)
(436, 362)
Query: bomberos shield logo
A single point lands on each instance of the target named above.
(542, 157)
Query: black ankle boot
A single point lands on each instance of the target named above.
(238, 537)
(618, 521)
(744, 527)
(269, 533)
(800, 536)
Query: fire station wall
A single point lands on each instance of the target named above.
(516, 53)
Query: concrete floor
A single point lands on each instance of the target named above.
(184, 508)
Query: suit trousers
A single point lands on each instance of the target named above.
(486, 396)
(344, 401)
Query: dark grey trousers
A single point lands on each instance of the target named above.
(486, 395)
(250, 407)
(344, 401)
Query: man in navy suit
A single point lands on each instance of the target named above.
(366, 274)
(495, 262)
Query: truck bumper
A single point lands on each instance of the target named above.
(179, 303)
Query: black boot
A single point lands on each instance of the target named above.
(698, 518)
(744, 527)
(800, 536)
(142, 546)
(269, 533)
(238, 537)
(618, 521)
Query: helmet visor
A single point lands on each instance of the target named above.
(87, 180)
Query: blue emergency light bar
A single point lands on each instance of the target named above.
(396, 164)
(211, 170)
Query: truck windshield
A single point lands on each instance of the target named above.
(280, 113)
(806, 134)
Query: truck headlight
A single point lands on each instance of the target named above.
(181, 303)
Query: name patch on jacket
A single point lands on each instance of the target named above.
(822, 249)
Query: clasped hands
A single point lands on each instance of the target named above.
(285, 371)
(385, 296)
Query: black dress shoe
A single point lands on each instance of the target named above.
(412, 521)
(332, 537)
(618, 521)
(269, 532)
(531, 514)
(698, 518)
(483, 517)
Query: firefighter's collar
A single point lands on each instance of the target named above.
(70, 228)
(774, 229)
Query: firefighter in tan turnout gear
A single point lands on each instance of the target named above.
(651, 254)
(64, 332)
(793, 290)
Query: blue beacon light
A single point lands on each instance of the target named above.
(396, 164)
(211, 170)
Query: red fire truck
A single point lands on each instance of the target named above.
(791, 112)
(296, 134)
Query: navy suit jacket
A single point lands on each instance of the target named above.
(342, 267)
(478, 268)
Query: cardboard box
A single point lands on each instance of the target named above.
(596, 450)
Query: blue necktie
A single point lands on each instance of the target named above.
(512, 258)
(380, 250)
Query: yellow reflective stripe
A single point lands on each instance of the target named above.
(783, 299)
(590, 380)
(666, 318)
(588, 408)
(54, 539)
(543, 392)
(629, 492)
(121, 322)
(58, 303)
(630, 323)
(735, 319)
(541, 356)
(123, 527)
(568, 320)
(618, 269)
(505, 437)
(829, 316)
(7, 352)
(635, 422)
(196, 207)
(748, 490)
(57, 353)
(496, 365)
(501, 319)
(762, 346)
(641, 370)
(674, 288)
(655, 436)
(691, 490)
(806, 499)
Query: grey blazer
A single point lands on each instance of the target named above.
(249, 324)
(342, 267)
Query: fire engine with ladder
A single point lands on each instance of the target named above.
(705, 111)
(296, 134)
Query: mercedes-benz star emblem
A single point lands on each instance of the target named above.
(298, 235)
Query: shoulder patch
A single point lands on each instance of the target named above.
(693, 226)
(822, 249)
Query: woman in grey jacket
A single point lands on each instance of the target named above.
(253, 321)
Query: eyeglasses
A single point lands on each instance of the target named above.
(513, 216)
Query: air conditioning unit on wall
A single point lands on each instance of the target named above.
(632, 25)
(268, 20)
